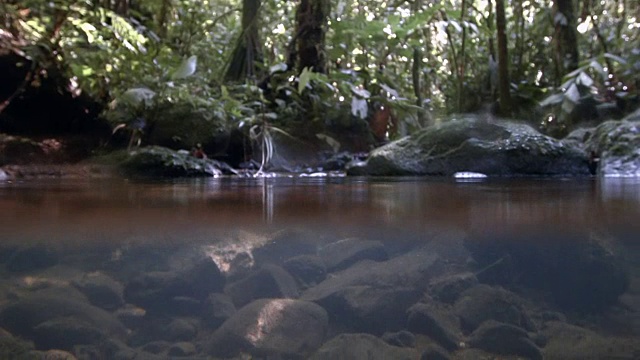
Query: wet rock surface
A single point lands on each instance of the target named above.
(440, 299)
(474, 144)
(157, 161)
(617, 146)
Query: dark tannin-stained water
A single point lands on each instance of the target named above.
(323, 268)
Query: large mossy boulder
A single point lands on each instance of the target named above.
(157, 161)
(471, 143)
(183, 126)
(617, 144)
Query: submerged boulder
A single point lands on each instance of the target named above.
(374, 296)
(473, 144)
(361, 346)
(581, 272)
(272, 328)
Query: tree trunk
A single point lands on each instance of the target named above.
(503, 61)
(566, 39)
(247, 54)
(311, 29)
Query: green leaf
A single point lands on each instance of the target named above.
(278, 68)
(303, 79)
(553, 99)
(363, 93)
(615, 58)
(359, 107)
(333, 143)
(598, 68)
(584, 79)
(572, 94)
(186, 69)
(136, 96)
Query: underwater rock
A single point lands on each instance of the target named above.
(101, 290)
(270, 281)
(66, 332)
(581, 273)
(570, 342)
(286, 244)
(401, 338)
(449, 287)
(13, 347)
(162, 291)
(308, 270)
(361, 346)
(483, 302)
(131, 316)
(344, 253)
(32, 258)
(278, 328)
(470, 143)
(217, 309)
(182, 349)
(179, 330)
(435, 322)
(22, 316)
(434, 352)
(504, 339)
(374, 296)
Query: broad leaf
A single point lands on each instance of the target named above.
(615, 58)
(186, 69)
(359, 107)
(552, 100)
(573, 94)
(278, 68)
(136, 96)
(584, 79)
(303, 79)
(363, 93)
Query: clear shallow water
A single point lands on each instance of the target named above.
(82, 219)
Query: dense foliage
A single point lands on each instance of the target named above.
(420, 58)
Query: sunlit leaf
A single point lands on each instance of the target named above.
(363, 93)
(455, 25)
(359, 107)
(136, 96)
(568, 106)
(572, 94)
(186, 68)
(278, 68)
(552, 100)
(333, 143)
(560, 19)
(304, 79)
(584, 79)
(615, 58)
(391, 91)
(598, 68)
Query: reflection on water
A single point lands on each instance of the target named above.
(120, 207)
(393, 258)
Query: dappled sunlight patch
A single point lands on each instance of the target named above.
(237, 250)
(269, 317)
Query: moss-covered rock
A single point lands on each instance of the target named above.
(157, 161)
(617, 144)
(183, 126)
(473, 144)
